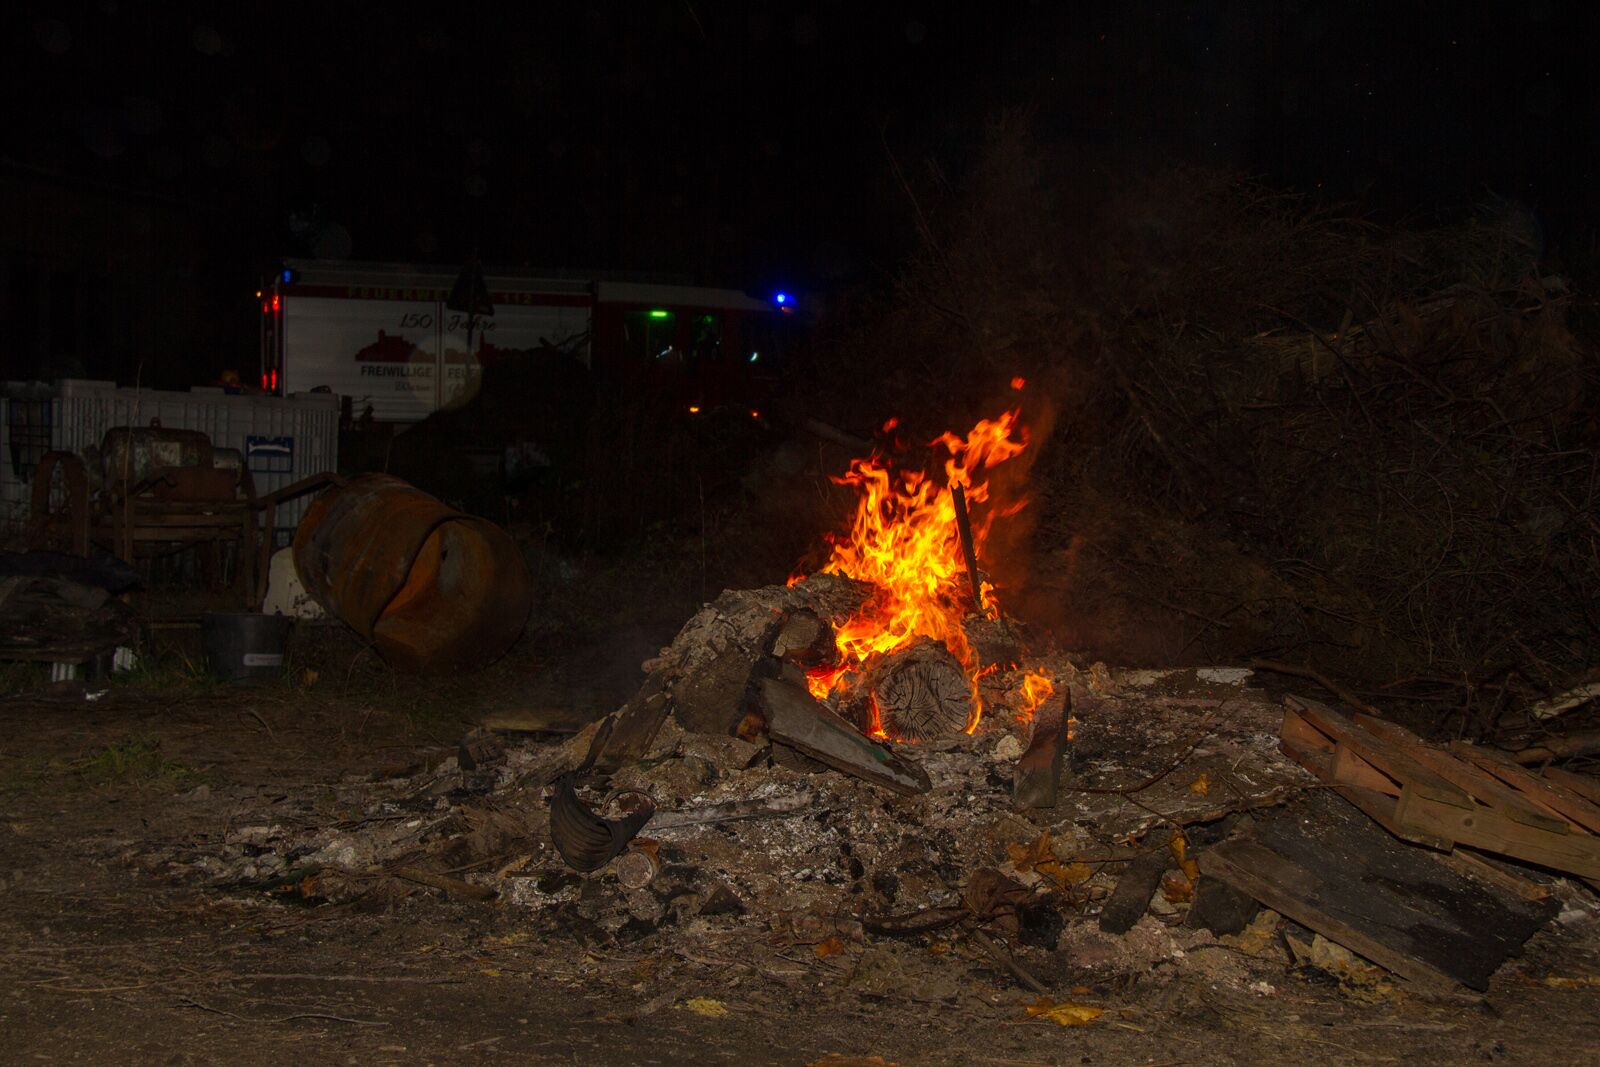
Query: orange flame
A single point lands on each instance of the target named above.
(1036, 689)
(903, 541)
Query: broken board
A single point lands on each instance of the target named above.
(1430, 797)
(1322, 863)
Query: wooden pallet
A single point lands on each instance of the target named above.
(1466, 796)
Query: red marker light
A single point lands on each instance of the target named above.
(274, 302)
(274, 379)
(263, 381)
(1018, 383)
(265, 307)
(754, 414)
(891, 424)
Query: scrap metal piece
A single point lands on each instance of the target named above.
(795, 718)
(585, 840)
(1037, 778)
(637, 867)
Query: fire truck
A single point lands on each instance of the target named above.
(383, 335)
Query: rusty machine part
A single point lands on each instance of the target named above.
(435, 590)
(132, 455)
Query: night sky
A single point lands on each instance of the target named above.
(750, 143)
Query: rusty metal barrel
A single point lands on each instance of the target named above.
(435, 590)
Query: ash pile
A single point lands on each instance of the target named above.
(1041, 814)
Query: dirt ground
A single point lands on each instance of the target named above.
(105, 960)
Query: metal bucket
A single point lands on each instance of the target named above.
(245, 648)
(435, 590)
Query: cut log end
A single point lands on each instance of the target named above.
(922, 694)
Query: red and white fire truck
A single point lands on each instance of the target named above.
(382, 335)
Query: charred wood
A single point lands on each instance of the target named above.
(795, 718)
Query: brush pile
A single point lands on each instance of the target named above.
(1280, 431)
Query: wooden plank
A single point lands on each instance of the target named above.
(1388, 758)
(1585, 786)
(1349, 767)
(1379, 805)
(1135, 887)
(1325, 866)
(1480, 785)
(1301, 734)
(1476, 866)
(1290, 890)
(1542, 791)
(1488, 829)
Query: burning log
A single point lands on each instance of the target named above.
(922, 693)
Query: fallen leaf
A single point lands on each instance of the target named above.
(1066, 1013)
(1180, 852)
(1176, 888)
(1201, 786)
(1039, 858)
(490, 971)
(1568, 983)
(711, 1009)
(1072, 873)
(831, 947)
(1028, 857)
(309, 677)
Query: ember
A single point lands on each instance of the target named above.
(903, 540)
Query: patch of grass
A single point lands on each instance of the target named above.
(136, 762)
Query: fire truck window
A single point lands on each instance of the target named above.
(707, 338)
(649, 335)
